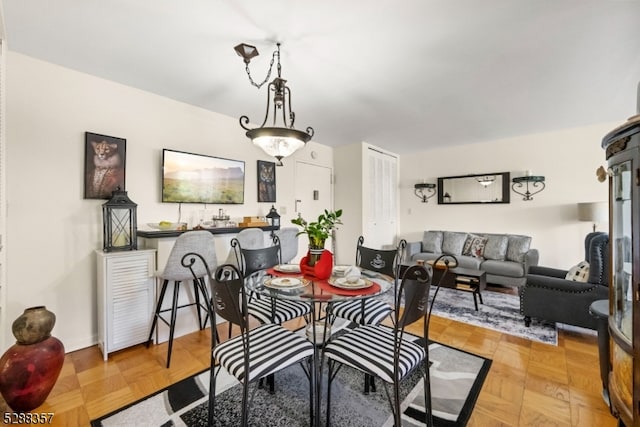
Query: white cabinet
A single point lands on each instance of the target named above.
(126, 298)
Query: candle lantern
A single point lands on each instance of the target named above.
(274, 217)
(119, 223)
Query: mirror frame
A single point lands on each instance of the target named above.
(506, 193)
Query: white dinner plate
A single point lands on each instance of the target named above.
(287, 268)
(285, 282)
(341, 282)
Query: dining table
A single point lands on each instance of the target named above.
(287, 282)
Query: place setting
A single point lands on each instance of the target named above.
(286, 282)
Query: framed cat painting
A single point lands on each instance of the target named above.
(266, 181)
(104, 165)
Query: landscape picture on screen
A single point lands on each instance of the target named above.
(198, 178)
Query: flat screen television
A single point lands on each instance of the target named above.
(198, 178)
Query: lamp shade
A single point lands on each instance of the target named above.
(593, 212)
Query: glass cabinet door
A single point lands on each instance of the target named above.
(621, 249)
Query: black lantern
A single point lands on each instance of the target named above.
(119, 223)
(274, 217)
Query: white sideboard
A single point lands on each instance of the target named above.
(126, 298)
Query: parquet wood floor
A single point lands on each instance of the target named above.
(529, 384)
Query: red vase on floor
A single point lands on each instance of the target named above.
(30, 368)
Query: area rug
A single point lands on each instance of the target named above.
(500, 312)
(456, 378)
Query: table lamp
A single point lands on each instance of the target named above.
(594, 212)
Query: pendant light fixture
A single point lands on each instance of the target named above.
(278, 142)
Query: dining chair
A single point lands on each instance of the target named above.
(371, 311)
(201, 242)
(255, 353)
(288, 242)
(385, 352)
(254, 262)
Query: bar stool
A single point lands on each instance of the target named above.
(200, 242)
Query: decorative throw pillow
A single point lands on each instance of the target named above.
(579, 273)
(432, 242)
(453, 242)
(518, 247)
(496, 247)
(474, 246)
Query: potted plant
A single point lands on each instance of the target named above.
(319, 231)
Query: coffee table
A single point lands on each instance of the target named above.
(461, 279)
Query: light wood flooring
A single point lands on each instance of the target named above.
(529, 384)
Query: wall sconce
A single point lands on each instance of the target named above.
(446, 198)
(422, 191)
(537, 185)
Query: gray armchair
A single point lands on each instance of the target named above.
(549, 296)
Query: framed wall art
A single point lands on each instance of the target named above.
(266, 181)
(104, 165)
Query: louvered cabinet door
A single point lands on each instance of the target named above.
(126, 295)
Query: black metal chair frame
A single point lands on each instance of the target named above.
(368, 258)
(229, 301)
(253, 261)
(414, 287)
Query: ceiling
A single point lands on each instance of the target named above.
(403, 75)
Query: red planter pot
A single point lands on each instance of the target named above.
(29, 372)
(30, 368)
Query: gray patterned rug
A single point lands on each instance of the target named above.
(500, 312)
(456, 378)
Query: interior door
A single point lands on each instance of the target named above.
(314, 194)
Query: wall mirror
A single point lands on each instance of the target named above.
(482, 188)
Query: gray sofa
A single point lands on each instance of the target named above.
(505, 258)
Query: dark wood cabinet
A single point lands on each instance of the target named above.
(622, 148)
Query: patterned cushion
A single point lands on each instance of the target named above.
(272, 349)
(518, 247)
(453, 242)
(579, 273)
(474, 246)
(432, 242)
(268, 310)
(496, 247)
(374, 311)
(370, 349)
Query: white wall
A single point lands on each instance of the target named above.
(568, 159)
(52, 230)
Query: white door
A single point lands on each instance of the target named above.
(314, 194)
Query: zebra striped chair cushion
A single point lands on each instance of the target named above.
(285, 310)
(374, 312)
(272, 348)
(370, 349)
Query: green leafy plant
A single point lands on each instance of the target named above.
(320, 230)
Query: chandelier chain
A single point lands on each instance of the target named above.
(266, 79)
